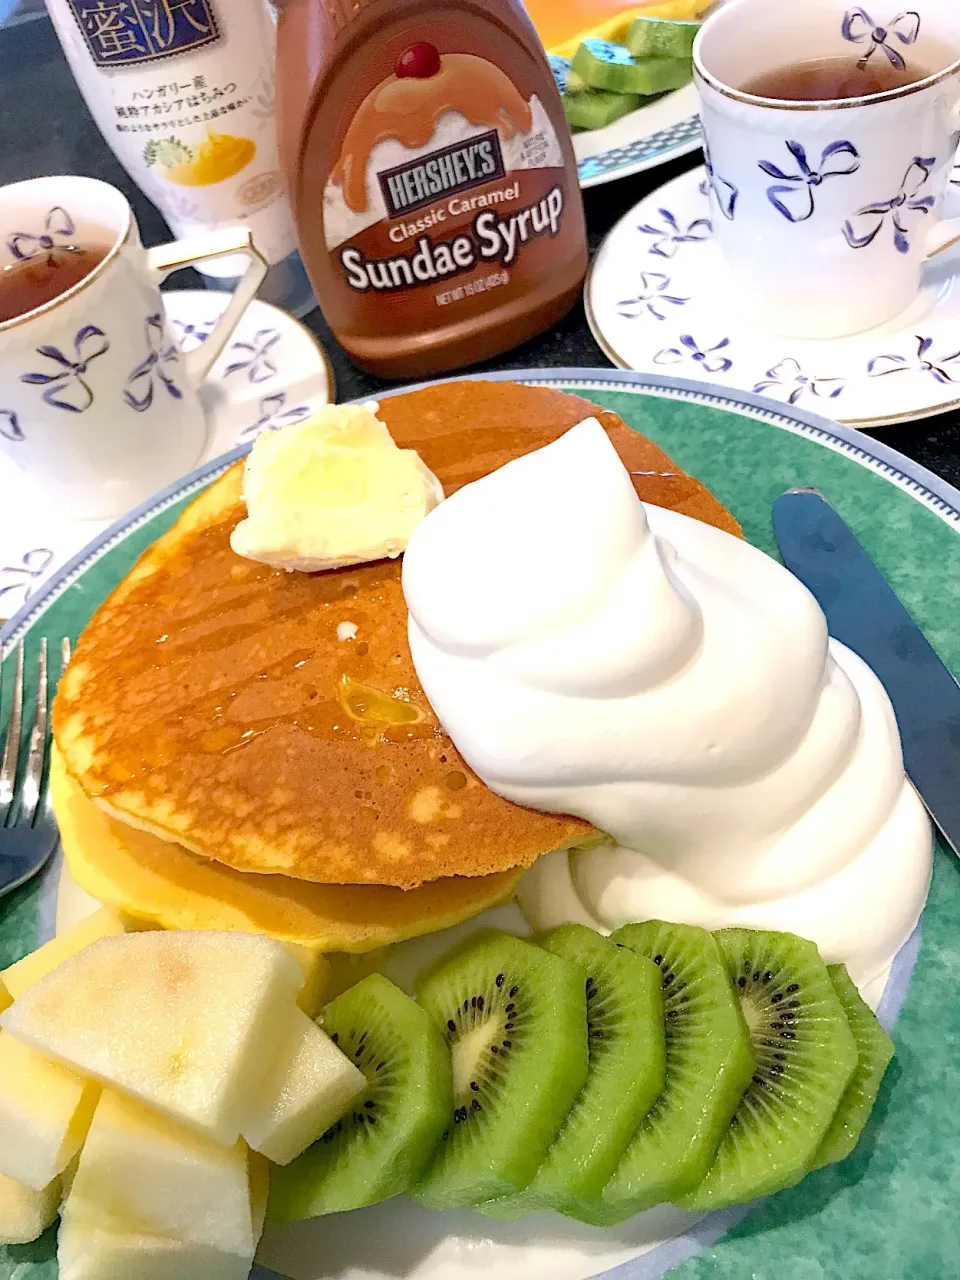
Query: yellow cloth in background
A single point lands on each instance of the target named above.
(615, 29)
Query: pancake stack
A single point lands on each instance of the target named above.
(244, 748)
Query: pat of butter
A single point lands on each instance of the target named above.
(332, 491)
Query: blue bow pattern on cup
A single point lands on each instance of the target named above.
(140, 384)
(727, 193)
(68, 389)
(57, 225)
(652, 299)
(860, 28)
(10, 428)
(868, 222)
(793, 193)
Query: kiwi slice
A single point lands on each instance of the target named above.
(516, 1023)
(806, 1057)
(611, 67)
(594, 109)
(627, 1065)
(383, 1146)
(709, 1064)
(662, 38)
(874, 1051)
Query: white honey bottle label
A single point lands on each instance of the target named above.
(183, 91)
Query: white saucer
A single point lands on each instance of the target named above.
(273, 373)
(658, 301)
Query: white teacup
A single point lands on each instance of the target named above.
(825, 213)
(96, 400)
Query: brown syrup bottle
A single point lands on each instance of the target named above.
(433, 178)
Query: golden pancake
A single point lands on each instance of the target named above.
(213, 701)
(155, 882)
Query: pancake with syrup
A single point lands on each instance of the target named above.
(273, 722)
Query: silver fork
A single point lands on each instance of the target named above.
(28, 829)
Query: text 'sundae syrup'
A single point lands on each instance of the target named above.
(434, 182)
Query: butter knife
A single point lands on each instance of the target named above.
(864, 613)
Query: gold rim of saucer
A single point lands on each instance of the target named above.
(828, 104)
(112, 254)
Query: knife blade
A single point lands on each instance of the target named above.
(864, 613)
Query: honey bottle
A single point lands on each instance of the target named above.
(433, 179)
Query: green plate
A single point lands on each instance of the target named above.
(890, 1211)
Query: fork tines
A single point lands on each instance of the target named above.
(22, 785)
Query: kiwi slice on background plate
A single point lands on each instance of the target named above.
(874, 1051)
(806, 1057)
(515, 1019)
(709, 1065)
(661, 38)
(601, 64)
(384, 1143)
(595, 109)
(627, 1067)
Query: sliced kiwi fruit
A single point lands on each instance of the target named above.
(874, 1051)
(627, 1061)
(383, 1145)
(709, 1065)
(611, 67)
(662, 38)
(595, 109)
(806, 1057)
(515, 1019)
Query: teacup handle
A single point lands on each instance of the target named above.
(167, 258)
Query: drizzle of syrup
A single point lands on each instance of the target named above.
(378, 712)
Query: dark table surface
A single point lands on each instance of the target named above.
(45, 129)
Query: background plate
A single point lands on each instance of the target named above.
(663, 130)
(889, 1212)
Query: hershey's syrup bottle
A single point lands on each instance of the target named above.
(434, 184)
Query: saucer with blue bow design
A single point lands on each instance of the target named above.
(272, 374)
(659, 301)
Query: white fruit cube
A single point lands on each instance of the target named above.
(188, 1022)
(45, 1112)
(24, 1213)
(312, 1085)
(90, 1251)
(20, 977)
(140, 1171)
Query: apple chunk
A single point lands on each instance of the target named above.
(26, 973)
(91, 1251)
(311, 1087)
(140, 1171)
(45, 1111)
(24, 1213)
(188, 1022)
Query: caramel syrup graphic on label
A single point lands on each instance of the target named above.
(407, 105)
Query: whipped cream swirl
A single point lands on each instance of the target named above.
(675, 687)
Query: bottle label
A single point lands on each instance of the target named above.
(122, 33)
(195, 126)
(444, 178)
